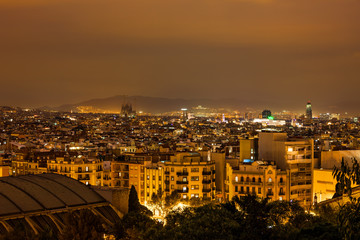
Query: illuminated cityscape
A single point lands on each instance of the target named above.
(232, 119)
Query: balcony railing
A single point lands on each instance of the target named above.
(206, 190)
(182, 190)
(182, 173)
(206, 181)
(206, 172)
(182, 182)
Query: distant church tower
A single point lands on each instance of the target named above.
(308, 110)
(127, 111)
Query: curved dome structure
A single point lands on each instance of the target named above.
(47, 196)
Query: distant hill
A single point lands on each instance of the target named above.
(153, 104)
(162, 105)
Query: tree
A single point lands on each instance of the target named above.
(348, 214)
(206, 222)
(172, 199)
(156, 198)
(134, 204)
(82, 225)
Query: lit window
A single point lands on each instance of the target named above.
(236, 179)
(270, 179)
(290, 149)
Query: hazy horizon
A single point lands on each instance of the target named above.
(270, 53)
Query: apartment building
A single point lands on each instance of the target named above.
(154, 180)
(295, 155)
(129, 170)
(191, 174)
(260, 178)
(86, 170)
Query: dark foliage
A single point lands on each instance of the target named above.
(82, 225)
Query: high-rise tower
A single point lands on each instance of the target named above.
(308, 110)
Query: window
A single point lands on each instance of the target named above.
(281, 180)
(253, 190)
(260, 180)
(253, 179)
(194, 169)
(184, 196)
(172, 178)
(148, 177)
(270, 179)
(236, 178)
(172, 186)
(184, 179)
(159, 178)
(172, 169)
(247, 189)
(242, 189)
(259, 190)
(247, 179)
(236, 188)
(195, 178)
(193, 187)
(153, 178)
(242, 179)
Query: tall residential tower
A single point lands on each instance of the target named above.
(308, 110)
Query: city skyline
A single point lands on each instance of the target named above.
(275, 53)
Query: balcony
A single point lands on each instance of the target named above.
(167, 182)
(167, 172)
(206, 172)
(182, 173)
(182, 190)
(206, 181)
(281, 193)
(281, 183)
(182, 182)
(270, 194)
(206, 190)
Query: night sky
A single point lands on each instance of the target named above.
(280, 52)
